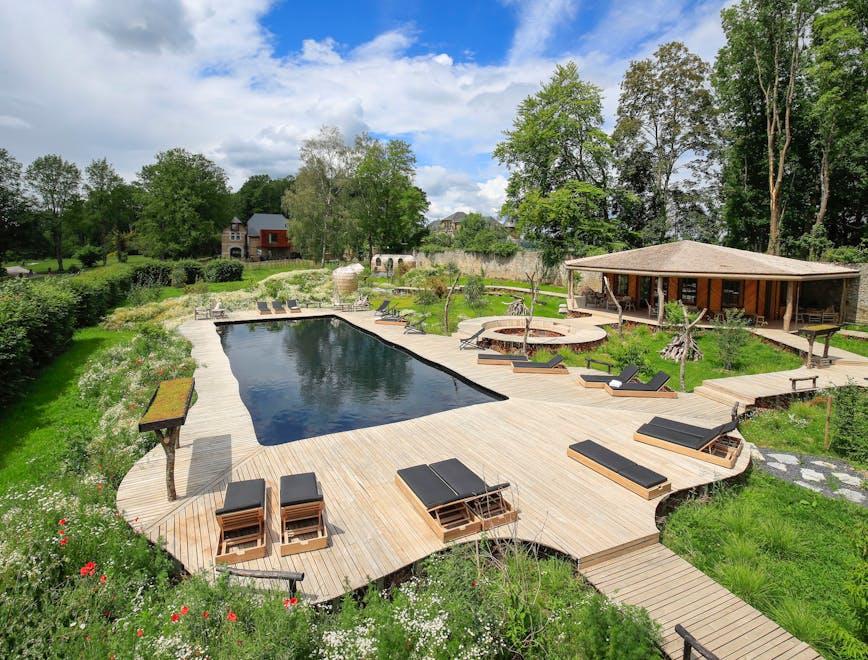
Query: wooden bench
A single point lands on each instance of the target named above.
(602, 363)
(797, 379)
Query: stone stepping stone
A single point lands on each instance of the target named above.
(848, 479)
(812, 487)
(778, 466)
(852, 495)
(824, 464)
(788, 459)
(812, 475)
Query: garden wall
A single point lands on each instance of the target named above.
(857, 296)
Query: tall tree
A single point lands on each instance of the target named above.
(388, 208)
(260, 194)
(13, 204)
(838, 77)
(101, 185)
(665, 115)
(762, 60)
(55, 185)
(185, 202)
(316, 204)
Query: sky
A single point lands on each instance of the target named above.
(245, 82)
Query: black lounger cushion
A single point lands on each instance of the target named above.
(627, 373)
(636, 473)
(706, 434)
(277, 304)
(243, 495)
(460, 478)
(498, 356)
(427, 486)
(551, 364)
(262, 305)
(653, 385)
(383, 306)
(292, 304)
(298, 489)
(675, 436)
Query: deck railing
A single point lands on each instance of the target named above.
(691, 645)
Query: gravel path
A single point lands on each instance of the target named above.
(830, 476)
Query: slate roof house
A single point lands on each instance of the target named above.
(263, 238)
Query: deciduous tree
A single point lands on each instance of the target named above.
(55, 184)
(13, 203)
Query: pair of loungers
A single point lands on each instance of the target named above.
(714, 445)
(278, 307)
(521, 365)
(242, 519)
(453, 500)
(627, 383)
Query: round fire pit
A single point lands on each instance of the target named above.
(506, 333)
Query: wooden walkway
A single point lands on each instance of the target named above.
(374, 530)
(673, 591)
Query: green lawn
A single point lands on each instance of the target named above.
(35, 429)
(42, 265)
(860, 327)
(787, 551)
(250, 278)
(524, 285)
(852, 344)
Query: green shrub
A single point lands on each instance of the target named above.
(474, 291)
(630, 349)
(850, 422)
(426, 297)
(224, 270)
(187, 271)
(89, 255)
(732, 336)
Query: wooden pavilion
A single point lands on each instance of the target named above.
(768, 288)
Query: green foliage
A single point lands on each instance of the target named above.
(224, 270)
(89, 255)
(474, 291)
(479, 235)
(732, 336)
(631, 348)
(184, 201)
(55, 183)
(259, 194)
(802, 547)
(850, 422)
(436, 242)
(847, 254)
(426, 297)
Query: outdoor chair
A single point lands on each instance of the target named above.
(263, 307)
(292, 304)
(415, 327)
(595, 381)
(654, 388)
(624, 472)
(201, 313)
(553, 366)
(499, 358)
(383, 309)
(472, 341)
(302, 515)
(278, 307)
(714, 445)
(218, 312)
(241, 520)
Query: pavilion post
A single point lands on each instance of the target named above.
(569, 288)
(842, 308)
(788, 311)
(659, 300)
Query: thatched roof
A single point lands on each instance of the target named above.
(693, 259)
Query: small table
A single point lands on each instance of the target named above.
(811, 332)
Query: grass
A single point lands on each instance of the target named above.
(43, 265)
(785, 550)
(852, 344)
(860, 327)
(50, 411)
(250, 278)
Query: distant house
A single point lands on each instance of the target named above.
(452, 223)
(265, 237)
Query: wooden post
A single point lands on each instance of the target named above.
(608, 288)
(659, 300)
(169, 441)
(788, 312)
(809, 359)
(842, 308)
(569, 286)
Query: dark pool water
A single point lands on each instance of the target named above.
(304, 378)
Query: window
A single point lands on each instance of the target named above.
(272, 238)
(687, 292)
(622, 283)
(731, 293)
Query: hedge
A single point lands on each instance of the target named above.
(38, 317)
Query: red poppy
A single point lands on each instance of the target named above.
(473, 584)
(61, 522)
(205, 614)
(232, 616)
(175, 617)
(88, 569)
(140, 632)
(61, 532)
(63, 541)
(103, 578)
(290, 602)
(185, 609)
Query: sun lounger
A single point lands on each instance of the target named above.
(714, 445)
(553, 366)
(472, 341)
(627, 374)
(263, 307)
(621, 470)
(241, 520)
(278, 307)
(302, 515)
(391, 319)
(653, 388)
(383, 309)
(415, 327)
(499, 358)
(292, 305)
(486, 502)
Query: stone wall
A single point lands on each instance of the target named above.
(857, 296)
(510, 268)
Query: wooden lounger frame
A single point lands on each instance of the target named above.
(557, 370)
(494, 361)
(723, 450)
(240, 528)
(493, 510)
(647, 493)
(662, 393)
(449, 521)
(386, 321)
(303, 528)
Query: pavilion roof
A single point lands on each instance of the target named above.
(694, 259)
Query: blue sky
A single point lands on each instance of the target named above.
(247, 81)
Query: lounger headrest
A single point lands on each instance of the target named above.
(659, 380)
(555, 361)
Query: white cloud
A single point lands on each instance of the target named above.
(538, 20)
(101, 78)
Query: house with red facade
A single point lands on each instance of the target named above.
(263, 238)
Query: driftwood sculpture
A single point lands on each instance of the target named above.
(517, 308)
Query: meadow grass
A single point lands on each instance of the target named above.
(787, 551)
(43, 265)
(851, 344)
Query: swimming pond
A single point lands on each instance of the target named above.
(308, 377)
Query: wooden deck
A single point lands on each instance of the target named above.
(673, 592)
(374, 530)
